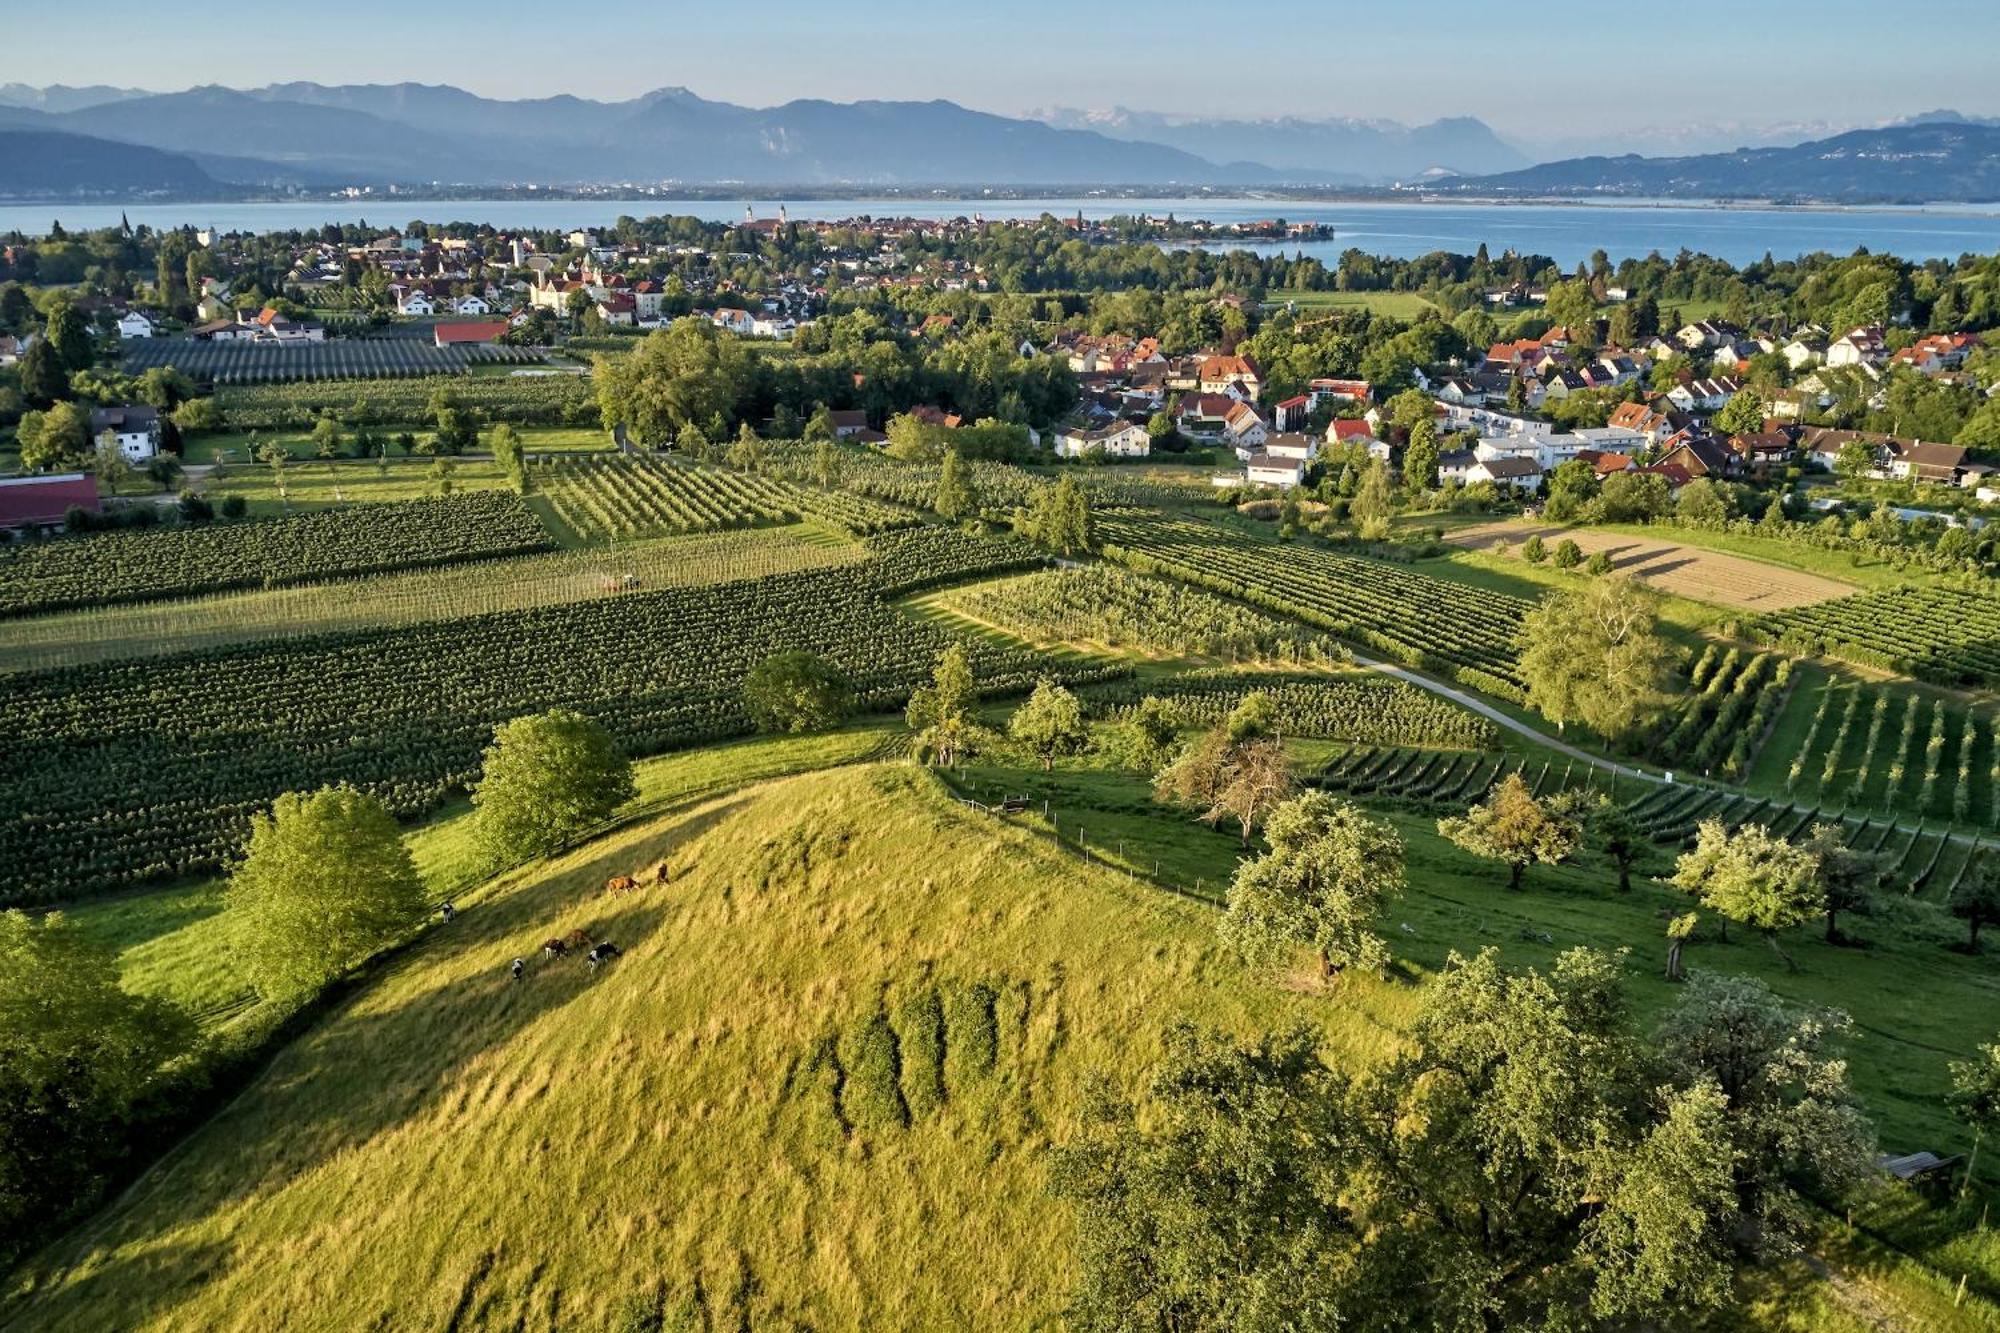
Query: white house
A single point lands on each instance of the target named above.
(415, 303)
(136, 430)
(1517, 474)
(1244, 429)
(1120, 439)
(1292, 447)
(1861, 347)
(1266, 470)
(474, 305)
(136, 324)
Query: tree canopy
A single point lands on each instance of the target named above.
(545, 779)
(1320, 886)
(1514, 828)
(796, 692)
(1595, 655)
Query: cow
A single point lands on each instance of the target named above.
(620, 884)
(555, 948)
(603, 953)
(655, 873)
(578, 939)
(519, 968)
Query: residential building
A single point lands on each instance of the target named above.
(135, 429)
(1120, 439)
(136, 324)
(1860, 347)
(1270, 470)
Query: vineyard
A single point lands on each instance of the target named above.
(1893, 749)
(1723, 721)
(1413, 618)
(1922, 862)
(1104, 605)
(1950, 635)
(621, 498)
(96, 796)
(445, 592)
(528, 400)
(999, 488)
(173, 562)
(341, 359)
(1368, 709)
(1440, 779)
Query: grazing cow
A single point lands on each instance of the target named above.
(655, 873)
(447, 911)
(603, 953)
(519, 967)
(554, 948)
(578, 939)
(619, 884)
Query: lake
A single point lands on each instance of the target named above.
(1566, 232)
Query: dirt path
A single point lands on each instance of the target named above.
(1685, 571)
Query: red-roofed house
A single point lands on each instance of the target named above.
(1220, 374)
(1348, 430)
(43, 502)
(461, 332)
(1292, 413)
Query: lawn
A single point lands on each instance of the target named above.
(1398, 305)
(323, 485)
(236, 448)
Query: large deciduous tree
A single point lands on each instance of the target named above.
(1594, 655)
(1753, 877)
(944, 713)
(1320, 887)
(678, 376)
(1513, 828)
(1050, 723)
(325, 880)
(545, 779)
(797, 692)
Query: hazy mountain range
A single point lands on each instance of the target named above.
(214, 141)
(1928, 161)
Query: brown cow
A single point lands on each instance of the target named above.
(578, 939)
(554, 948)
(619, 884)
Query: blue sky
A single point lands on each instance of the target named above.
(1609, 66)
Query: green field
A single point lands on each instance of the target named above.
(1399, 305)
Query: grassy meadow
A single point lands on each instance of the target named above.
(453, 1149)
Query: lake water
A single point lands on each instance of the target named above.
(1566, 232)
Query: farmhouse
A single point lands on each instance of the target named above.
(1270, 470)
(136, 324)
(36, 503)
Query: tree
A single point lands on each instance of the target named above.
(1976, 901)
(110, 463)
(1321, 886)
(826, 464)
(44, 377)
(1854, 460)
(797, 692)
(326, 437)
(1702, 504)
(1975, 1097)
(1512, 827)
(325, 881)
(686, 374)
(1050, 723)
(1420, 456)
(274, 456)
(1790, 1114)
(1572, 308)
(1224, 779)
(1752, 877)
(1534, 550)
(954, 499)
(544, 780)
(1374, 502)
(944, 713)
(819, 426)
(58, 438)
(441, 478)
(1595, 654)
(1568, 554)
(505, 444)
(1060, 519)
(77, 1055)
(1145, 739)
(69, 334)
(1848, 877)
(163, 470)
(1743, 414)
(1611, 828)
(457, 426)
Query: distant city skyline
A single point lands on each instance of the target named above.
(1704, 62)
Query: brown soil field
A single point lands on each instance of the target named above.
(1684, 571)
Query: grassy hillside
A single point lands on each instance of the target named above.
(452, 1147)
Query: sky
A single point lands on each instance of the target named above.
(1533, 74)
